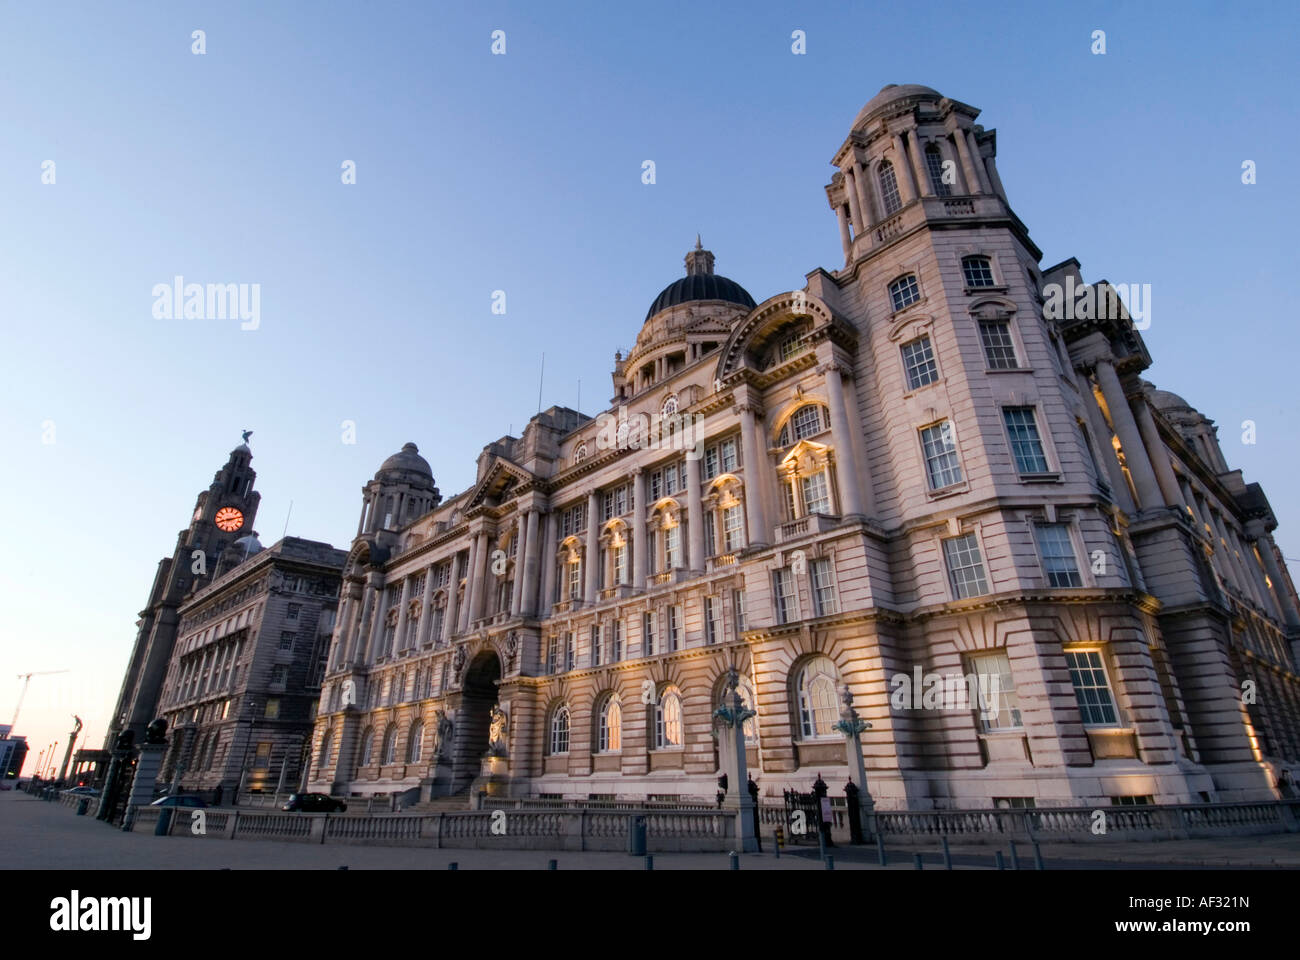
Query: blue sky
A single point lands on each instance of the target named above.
(522, 173)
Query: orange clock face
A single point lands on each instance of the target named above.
(229, 519)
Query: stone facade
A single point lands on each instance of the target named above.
(243, 683)
(920, 465)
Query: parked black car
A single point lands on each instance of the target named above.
(313, 803)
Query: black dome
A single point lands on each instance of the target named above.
(700, 286)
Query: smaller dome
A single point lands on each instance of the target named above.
(407, 459)
(247, 545)
(891, 92)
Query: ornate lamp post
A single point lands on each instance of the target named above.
(851, 725)
(732, 714)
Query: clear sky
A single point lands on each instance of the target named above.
(522, 173)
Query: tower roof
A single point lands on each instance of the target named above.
(700, 283)
(407, 460)
(890, 93)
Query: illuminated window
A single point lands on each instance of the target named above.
(1091, 687)
(610, 731)
(668, 720)
(818, 707)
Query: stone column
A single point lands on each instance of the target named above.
(864, 195)
(528, 599)
(1101, 434)
(846, 473)
(918, 166)
(637, 545)
(426, 609)
(591, 562)
(399, 635)
(964, 154)
(521, 562)
(978, 160)
(755, 463)
(996, 181)
(467, 605)
(855, 209)
(1144, 477)
(479, 574)
(695, 515)
(903, 171)
(1264, 544)
(845, 240)
(454, 604)
(1158, 454)
(361, 521)
(1255, 581)
(548, 568)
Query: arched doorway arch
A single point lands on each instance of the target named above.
(478, 694)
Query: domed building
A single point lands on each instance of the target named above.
(907, 492)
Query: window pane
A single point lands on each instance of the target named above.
(934, 166)
(823, 589)
(816, 495)
(1058, 555)
(918, 361)
(1091, 688)
(978, 271)
(889, 189)
(999, 349)
(1022, 428)
(941, 462)
(904, 291)
(965, 566)
(999, 705)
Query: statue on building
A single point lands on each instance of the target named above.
(497, 731)
(442, 736)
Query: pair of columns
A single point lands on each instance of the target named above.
(1148, 463)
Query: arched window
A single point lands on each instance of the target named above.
(367, 747)
(560, 730)
(414, 742)
(609, 737)
(808, 421)
(934, 166)
(326, 745)
(670, 406)
(889, 189)
(818, 711)
(668, 720)
(904, 291)
(390, 744)
(977, 271)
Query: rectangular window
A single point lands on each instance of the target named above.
(570, 651)
(620, 501)
(287, 640)
(656, 486)
(786, 604)
(710, 538)
(965, 566)
(595, 645)
(674, 628)
(607, 506)
(291, 613)
(978, 271)
(934, 167)
(279, 674)
(616, 653)
(918, 361)
(738, 607)
(713, 619)
(733, 529)
(1026, 446)
(575, 580)
(1057, 553)
(1091, 687)
(672, 547)
(941, 463)
(816, 494)
(711, 463)
(620, 564)
(647, 635)
(823, 589)
(262, 759)
(552, 653)
(728, 450)
(999, 348)
(272, 709)
(999, 706)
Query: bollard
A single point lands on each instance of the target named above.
(82, 806)
(1038, 857)
(164, 822)
(947, 854)
(453, 865)
(1015, 858)
(552, 864)
(735, 860)
(776, 848)
(830, 862)
(649, 862)
(880, 851)
(997, 860)
(821, 843)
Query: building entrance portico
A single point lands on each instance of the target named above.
(474, 716)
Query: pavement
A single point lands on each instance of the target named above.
(36, 834)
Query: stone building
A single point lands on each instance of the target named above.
(932, 470)
(222, 513)
(242, 686)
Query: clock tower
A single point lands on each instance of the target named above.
(223, 514)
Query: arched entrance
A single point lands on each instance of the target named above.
(478, 695)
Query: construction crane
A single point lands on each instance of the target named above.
(26, 678)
